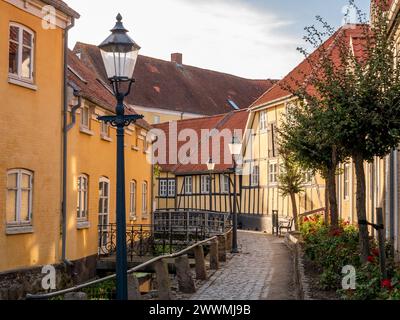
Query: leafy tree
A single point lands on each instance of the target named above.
(354, 79)
(291, 180)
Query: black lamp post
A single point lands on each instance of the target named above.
(235, 149)
(210, 167)
(120, 53)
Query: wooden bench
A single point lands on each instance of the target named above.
(288, 225)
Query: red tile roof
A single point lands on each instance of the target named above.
(63, 7)
(235, 120)
(167, 85)
(92, 88)
(300, 73)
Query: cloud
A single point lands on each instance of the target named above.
(229, 36)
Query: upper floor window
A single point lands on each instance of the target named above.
(85, 117)
(144, 198)
(132, 200)
(163, 187)
(263, 120)
(188, 185)
(273, 173)
(104, 129)
(272, 141)
(157, 119)
(21, 52)
(82, 204)
(171, 188)
(19, 196)
(307, 177)
(255, 176)
(205, 184)
(225, 184)
(346, 181)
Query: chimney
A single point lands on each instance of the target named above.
(177, 58)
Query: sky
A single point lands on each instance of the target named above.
(255, 39)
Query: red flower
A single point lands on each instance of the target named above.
(336, 233)
(371, 259)
(387, 283)
(306, 219)
(375, 252)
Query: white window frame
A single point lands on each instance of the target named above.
(104, 129)
(163, 190)
(21, 45)
(263, 121)
(273, 174)
(83, 194)
(171, 188)
(255, 176)
(144, 198)
(157, 119)
(84, 125)
(17, 213)
(188, 184)
(225, 184)
(205, 184)
(307, 177)
(132, 199)
(346, 181)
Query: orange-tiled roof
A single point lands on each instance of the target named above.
(92, 88)
(63, 7)
(235, 120)
(303, 70)
(167, 85)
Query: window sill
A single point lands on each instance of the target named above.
(105, 138)
(14, 230)
(133, 218)
(135, 148)
(81, 225)
(86, 131)
(22, 83)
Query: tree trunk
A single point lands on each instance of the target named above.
(326, 218)
(295, 213)
(360, 205)
(333, 207)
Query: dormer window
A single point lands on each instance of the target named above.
(21, 53)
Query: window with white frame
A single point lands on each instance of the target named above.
(21, 52)
(104, 129)
(171, 188)
(205, 184)
(263, 121)
(82, 205)
(273, 173)
(157, 119)
(225, 184)
(163, 188)
(255, 176)
(188, 185)
(19, 197)
(132, 199)
(85, 117)
(346, 181)
(144, 198)
(307, 177)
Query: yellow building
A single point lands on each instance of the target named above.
(31, 90)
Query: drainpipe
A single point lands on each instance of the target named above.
(392, 199)
(65, 141)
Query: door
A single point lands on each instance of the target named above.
(104, 216)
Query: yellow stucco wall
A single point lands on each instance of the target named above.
(165, 117)
(30, 131)
(91, 155)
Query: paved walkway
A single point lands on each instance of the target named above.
(262, 271)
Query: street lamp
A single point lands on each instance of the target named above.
(210, 167)
(235, 149)
(120, 53)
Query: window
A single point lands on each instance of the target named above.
(82, 206)
(273, 173)
(272, 141)
(225, 184)
(263, 120)
(163, 188)
(307, 177)
(205, 184)
(346, 181)
(171, 188)
(255, 176)
(132, 200)
(85, 117)
(19, 197)
(20, 52)
(144, 198)
(157, 119)
(188, 185)
(104, 206)
(104, 129)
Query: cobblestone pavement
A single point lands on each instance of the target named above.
(262, 271)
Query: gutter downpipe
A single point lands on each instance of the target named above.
(392, 200)
(65, 141)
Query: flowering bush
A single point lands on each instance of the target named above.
(332, 249)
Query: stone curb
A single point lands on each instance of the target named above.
(300, 279)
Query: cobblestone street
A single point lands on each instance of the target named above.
(262, 271)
